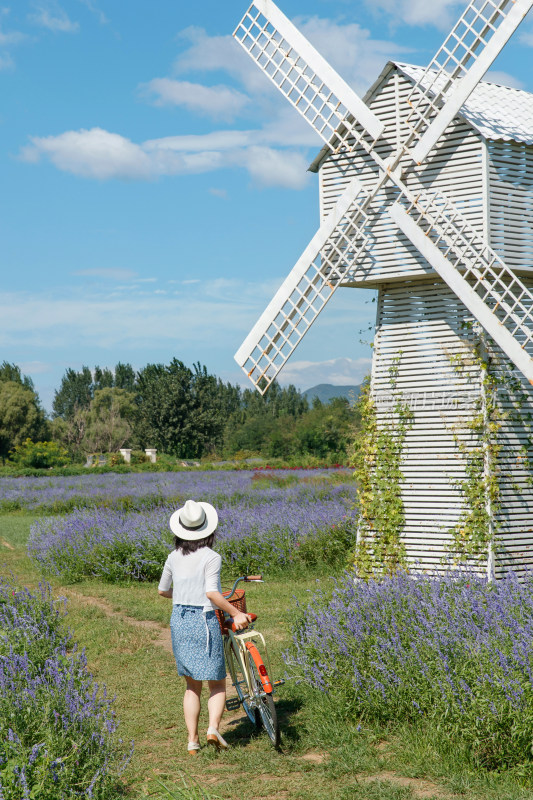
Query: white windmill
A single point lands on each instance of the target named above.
(426, 186)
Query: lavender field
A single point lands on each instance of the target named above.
(273, 523)
(57, 494)
(57, 729)
(454, 652)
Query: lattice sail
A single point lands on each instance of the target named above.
(482, 281)
(478, 276)
(306, 79)
(451, 76)
(309, 286)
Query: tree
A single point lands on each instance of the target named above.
(78, 388)
(103, 379)
(125, 377)
(71, 432)
(165, 408)
(183, 411)
(75, 393)
(110, 420)
(326, 428)
(11, 372)
(20, 416)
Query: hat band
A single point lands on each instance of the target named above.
(192, 527)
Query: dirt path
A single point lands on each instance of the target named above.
(162, 638)
(420, 788)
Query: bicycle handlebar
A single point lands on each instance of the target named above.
(247, 579)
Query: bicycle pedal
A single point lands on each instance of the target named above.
(233, 704)
(280, 682)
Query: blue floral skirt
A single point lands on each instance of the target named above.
(197, 643)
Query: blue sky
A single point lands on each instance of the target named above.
(154, 190)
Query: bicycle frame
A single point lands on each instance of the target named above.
(244, 647)
(249, 675)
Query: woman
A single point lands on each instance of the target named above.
(193, 572)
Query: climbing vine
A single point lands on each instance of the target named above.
(377, 458)
(501, 398)
(473, 535)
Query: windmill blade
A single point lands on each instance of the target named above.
(332, 251)
(306, 79)
(458, 66)
(487, 287)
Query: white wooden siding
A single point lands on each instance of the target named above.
(421, 323)
(455, 169)
(510, 167)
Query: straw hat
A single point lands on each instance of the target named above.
(194, 521)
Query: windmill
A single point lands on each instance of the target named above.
(409, 208)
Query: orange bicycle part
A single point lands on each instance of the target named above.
(261, 669)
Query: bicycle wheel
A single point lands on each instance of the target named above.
(265, 705)
(239, 681)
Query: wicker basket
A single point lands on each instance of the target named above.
(238, 600)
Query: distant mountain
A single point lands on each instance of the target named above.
(327, 391)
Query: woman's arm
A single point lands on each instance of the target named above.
(241, 620)
(164, 589)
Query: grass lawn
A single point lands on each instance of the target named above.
(124, 629)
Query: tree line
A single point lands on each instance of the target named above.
(182, 411)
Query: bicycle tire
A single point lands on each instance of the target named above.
(265, 705)
(239, 682)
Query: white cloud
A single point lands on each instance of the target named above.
(439, 13)
(113, 273)
(350, 49)
(32, 319)
(276, 167)
(338, 371)
(219, 102)
(6, 61)
(8, 39)
(272, 152)
(206, 53)
(92, 153)
(102, 155)
(503, 79)
(50, 15)
(222, 193)
(34, 367)
(102, 19)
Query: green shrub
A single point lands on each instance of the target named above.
(138, 457)
(39, 455)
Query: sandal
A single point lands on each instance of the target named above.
(216, 740)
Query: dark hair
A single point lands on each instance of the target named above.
(187, 546)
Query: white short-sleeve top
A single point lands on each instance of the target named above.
(191, 576)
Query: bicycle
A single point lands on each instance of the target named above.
(245, 664)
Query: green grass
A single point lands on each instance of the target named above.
(322, 755)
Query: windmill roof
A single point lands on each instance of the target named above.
(495, 111)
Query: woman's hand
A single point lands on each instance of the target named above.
(241, 620)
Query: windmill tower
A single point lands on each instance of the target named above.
(426, 195)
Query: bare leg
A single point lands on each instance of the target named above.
(191, 707)
(216, 702)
